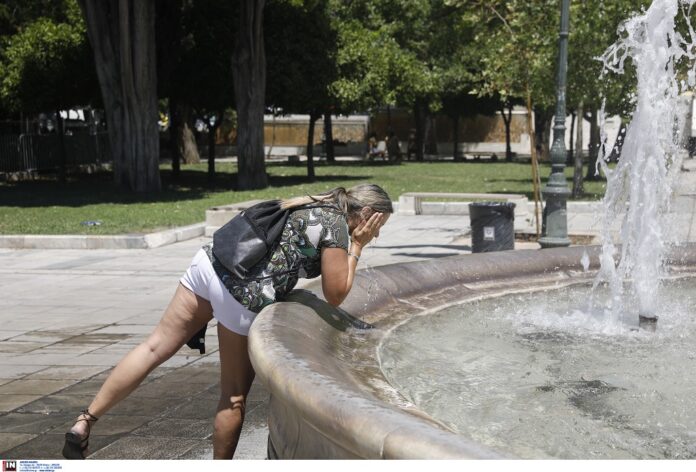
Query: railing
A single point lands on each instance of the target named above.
(41, 152)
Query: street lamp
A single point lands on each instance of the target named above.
(555, 222)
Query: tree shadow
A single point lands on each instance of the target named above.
(290, 180)
(97, 188)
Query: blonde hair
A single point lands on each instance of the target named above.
(349, 201)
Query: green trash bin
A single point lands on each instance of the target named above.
(492, 226)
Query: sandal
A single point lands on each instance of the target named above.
(75, 446)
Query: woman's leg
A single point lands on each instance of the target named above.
(236, 376)
(185, 315)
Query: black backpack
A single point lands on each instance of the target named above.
(244, 240)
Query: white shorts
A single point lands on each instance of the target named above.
(202, 280)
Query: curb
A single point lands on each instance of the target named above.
(127, 241)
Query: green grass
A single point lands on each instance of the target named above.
(49, 207)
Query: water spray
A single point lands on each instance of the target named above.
(640, 188)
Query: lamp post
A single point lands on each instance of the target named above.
(556, 192)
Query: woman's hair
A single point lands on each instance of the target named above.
(349, 201)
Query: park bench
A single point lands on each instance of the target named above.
(411, 203)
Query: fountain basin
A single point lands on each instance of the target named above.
(329, 396)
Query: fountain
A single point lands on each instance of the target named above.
(363, 382)
(640, 188)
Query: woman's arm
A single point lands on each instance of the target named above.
(338, 266)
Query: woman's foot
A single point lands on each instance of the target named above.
(77, 439)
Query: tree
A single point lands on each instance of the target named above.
(122, 34)
(45, 60)
(519, 52)
(458, 104)
(249, 67)
(328, 136)
(15, 14)
(203, 79)
(169, 44)
(46, 65)
(505, 108)
(300, 71)
(386, 57)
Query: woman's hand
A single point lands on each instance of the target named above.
(368, 229)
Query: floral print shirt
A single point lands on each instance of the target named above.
(298, 254)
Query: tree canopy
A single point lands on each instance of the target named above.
(47, 63)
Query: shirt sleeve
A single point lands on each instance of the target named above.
(334, 232)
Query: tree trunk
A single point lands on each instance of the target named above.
(570, 155)
(174, 125)
(507, 120)
(122, 34)
(182, 141)
(419, 115)
(578, 190)
(426, 135)
(63, 159)
(615, 153)
(431, 134)
(536, 180)
(455, 137)
(186, 140)
(594, 146)
(168, 46)
(212, 132)
(328, 137)
(546, 135)
(249, 67)
(313, 117)
(543, 122)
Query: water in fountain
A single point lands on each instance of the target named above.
(533, 376)
(640, 188)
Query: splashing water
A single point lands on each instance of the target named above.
(640, 188)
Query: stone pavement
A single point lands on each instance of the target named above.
(70, 315)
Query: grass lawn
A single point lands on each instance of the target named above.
(48, 207)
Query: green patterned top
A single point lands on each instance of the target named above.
(306, 232)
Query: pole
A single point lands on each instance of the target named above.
(555, 227)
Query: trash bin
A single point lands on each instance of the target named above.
(492, 226)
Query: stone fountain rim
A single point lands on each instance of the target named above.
(319, 408)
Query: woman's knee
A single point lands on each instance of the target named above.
(232, 402)
(230, 414)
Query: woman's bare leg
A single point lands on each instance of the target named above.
(236, 376)
(186, 314)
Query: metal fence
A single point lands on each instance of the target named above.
(27, 152)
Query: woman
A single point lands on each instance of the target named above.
(324, 235)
